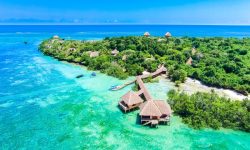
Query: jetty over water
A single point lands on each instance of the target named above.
(152, 112)
(158, 72)
(143, 90)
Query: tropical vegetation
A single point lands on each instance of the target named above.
(220, 62)
(203, 110)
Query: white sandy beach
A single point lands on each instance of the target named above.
(192, 86)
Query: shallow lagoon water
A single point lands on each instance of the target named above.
(43, 106)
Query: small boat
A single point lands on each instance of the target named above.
(25, 42)
(79, 76)
(113, 87)
(93, 74)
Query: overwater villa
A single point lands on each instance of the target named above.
(130, 101)
(152, 112)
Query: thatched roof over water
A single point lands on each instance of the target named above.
(163, 106)
(155, 108)
(149, 108)
(130, 98)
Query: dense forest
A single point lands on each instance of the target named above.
(209, 110)
(220, 62)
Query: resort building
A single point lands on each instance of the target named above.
(154, 112)
(168, 34)
(189, 61)
(55, 37)
(130, 101)
(146, 34)
(93, 54)
(115, 52)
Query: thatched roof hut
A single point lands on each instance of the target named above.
(94, 54)
(155, 108)
(114, 52)
(130, 100)
(146, 34)
(168, 34)
(189, 61)
(55, 37)
(164, 107)
(149, 108)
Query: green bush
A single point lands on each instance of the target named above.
(202, 110)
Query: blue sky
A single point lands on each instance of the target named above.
(125, 12)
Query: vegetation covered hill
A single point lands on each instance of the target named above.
(221, 62)
(209, 110)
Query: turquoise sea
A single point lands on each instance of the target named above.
(43, 105)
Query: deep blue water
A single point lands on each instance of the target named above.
(124, 30)
(43, 105)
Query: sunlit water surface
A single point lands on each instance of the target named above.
(43, 105)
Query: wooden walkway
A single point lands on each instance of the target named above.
(154, 74)
(123, 86)
(143, 90)
(144, 93)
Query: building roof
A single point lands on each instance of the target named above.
(55, 37)
(149, 108)
(155, 108)
(146, 34)
(189, 61)
(114, 52)
(163, 106)
(130, 98)
(94, 54)
(168, 34)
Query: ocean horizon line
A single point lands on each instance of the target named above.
(124, 24)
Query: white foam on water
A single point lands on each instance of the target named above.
(7, 61)
(46, 102)
(7, 104)
(42, 102)
(18, 82)
(5, 68)
(31, 67)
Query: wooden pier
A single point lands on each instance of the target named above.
(152, 112)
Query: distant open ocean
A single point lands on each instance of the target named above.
(43, 105)
(100, 31)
